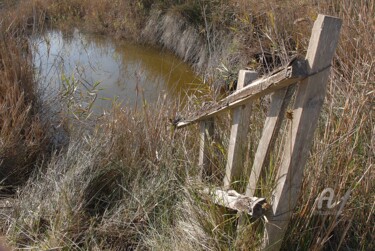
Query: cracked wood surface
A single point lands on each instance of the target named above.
(285, 76)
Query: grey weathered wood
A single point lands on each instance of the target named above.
(238, 134)
(309, 99)
(279, 103)
(206, 132)
(288, 75)
(253, 206)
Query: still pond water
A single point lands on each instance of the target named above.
(109, 69)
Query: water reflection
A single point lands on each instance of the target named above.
(131, 73)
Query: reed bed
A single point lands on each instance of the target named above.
(125, 180)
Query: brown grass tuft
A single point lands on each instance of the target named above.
(22, 131)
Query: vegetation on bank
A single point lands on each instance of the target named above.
(123, 181)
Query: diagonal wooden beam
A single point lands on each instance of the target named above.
(279, 103)
(295, 71)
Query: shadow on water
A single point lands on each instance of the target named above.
(109, 69)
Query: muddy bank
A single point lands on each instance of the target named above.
(201, 49)
(174, 33)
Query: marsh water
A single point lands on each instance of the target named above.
(107, 70)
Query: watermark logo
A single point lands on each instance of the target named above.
(326, 205)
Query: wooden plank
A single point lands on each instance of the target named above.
(279, 103)
(290, 74)
(253, 206)
(239, 130)
(206, 129)
(309, 99)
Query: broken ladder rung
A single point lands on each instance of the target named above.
(253, 206)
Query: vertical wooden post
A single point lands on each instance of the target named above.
(206, 129)
(279, 103)
(309, 99)
(238, 133)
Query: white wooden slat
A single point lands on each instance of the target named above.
(239, 129)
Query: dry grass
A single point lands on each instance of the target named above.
(105, 192)
(22, 130)
(125, 183)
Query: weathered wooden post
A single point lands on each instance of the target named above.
(309, 100)
(206, 129)
(239, 129)
(279, 103)
(313, 73)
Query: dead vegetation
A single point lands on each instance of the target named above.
(22, 130)
(124, 184)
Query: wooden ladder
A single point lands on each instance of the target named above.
(307, 78)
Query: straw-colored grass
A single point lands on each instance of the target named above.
(129, 181)
(22, 130)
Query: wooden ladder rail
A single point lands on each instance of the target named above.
(306, 110)
(311, 74)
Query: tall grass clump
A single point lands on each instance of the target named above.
(23, 137)
(107, 191)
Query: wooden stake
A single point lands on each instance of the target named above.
(239, 130)
(206, 136)
(309, 99)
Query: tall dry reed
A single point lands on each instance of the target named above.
(127, 184)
